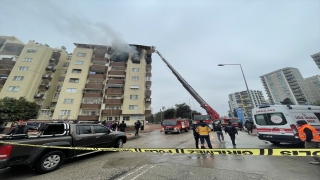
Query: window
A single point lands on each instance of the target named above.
(76, 70)
(135, 78)
(69, 57)
(56, 95)
(83, 129)
(54, 129)
(65, 112)
(66, 64)
(31, 50)
(18, 78)
(13, 88)
(61, 79)
(23, 68)
(71, 90)
(270, 119)
(126, 118)
(90, 112)
(134, 87)
(27, 59)
(133, 107)
(74, 80)
(109, 118)
(135, 69)
(64, 71)
(45, 112)
(79, 62)
(81, 54)
(100, 129)
(133, 96)
(68, 101)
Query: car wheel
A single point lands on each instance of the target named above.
(119, 144)
(50, 162)
(166, 132)
(179, 131)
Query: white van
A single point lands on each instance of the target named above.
(277, 123)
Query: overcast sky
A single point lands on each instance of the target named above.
(194, 36)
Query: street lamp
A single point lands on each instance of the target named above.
(253, 105)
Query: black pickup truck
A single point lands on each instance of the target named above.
(44, 160)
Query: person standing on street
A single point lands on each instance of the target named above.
(217, 128)
(122, 126)
(310, 137)
(196, 135)
(232, 131)
(203, 130)
(137, 126)
(240, 125)
(249, 126)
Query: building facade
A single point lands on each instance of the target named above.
(314, 85)
(241, 100)
(287, 83)
(10, 49)
(316, 58)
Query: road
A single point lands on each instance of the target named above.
(125, 165)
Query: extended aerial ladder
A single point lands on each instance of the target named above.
(211, 112)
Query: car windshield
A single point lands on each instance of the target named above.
(169, 122)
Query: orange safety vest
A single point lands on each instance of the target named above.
(302, 134)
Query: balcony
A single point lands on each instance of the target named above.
(4, 72)
(53, 61)
(100, 60)
(90, 106)
(44, 87)
(147, 112)
(99, 68)
(117, 73)
(113, 101)
(149, 66)
(121, 64)
(38, 96)
(7, 63)
(148, 83)
(148, 93)
(47, 77)
(111, 112)
(87, 92)
(97, 76)
(2, 81)
(100, 52)
(148, 101)
(94, 86)
(149, 74)
(88, 118)
(50, 69)
(111, 91)
(115, 81)
(56, 55)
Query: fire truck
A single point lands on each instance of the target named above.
(175, 125)
(212, 114)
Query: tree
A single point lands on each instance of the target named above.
(235, 114)
(287, 101)
(317, 103)
(150, 118)
(12, 109)
(169, 113)
(183, 110)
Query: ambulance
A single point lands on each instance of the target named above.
(277, 123)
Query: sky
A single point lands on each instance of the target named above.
(194, 36)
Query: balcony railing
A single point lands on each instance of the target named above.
(111, 91)
(117, 73)
(88, 118)
(98, 68)
(96, 76)
(94, 85)
(43, 87)
(113, 101)
(4, 72)
(118, 64)
(47, 77)
(147, 112)
(115, 81)
(111, 112)
(149, 66)
(38, 96)
(90, 106)
(2, 81)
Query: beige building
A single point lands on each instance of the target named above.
(35, 75)
(314, 85)
(10, 49)
(100, 85)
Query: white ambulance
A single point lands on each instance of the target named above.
(277, 123)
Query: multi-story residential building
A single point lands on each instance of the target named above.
(10, 49)
(35, 75)
(100, 85)
(287, 83)
(241, 99)
(316, 58)
(314, 85)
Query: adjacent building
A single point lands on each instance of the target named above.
(287, 83)
(10, 49)
(314, 85)
(241, 100)
(316, 58)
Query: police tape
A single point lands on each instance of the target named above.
(242, 151)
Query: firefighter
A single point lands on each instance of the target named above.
(203, 130)
(310, 137)
(196, 135)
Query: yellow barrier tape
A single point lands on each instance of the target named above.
(251, 151)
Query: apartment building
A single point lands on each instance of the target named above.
(287, 83)
(316, 58)
(241, 99)
(35, 75)
(101, 84)
(314, 85)
(10, 49)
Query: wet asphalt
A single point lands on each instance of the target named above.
(127, 166)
